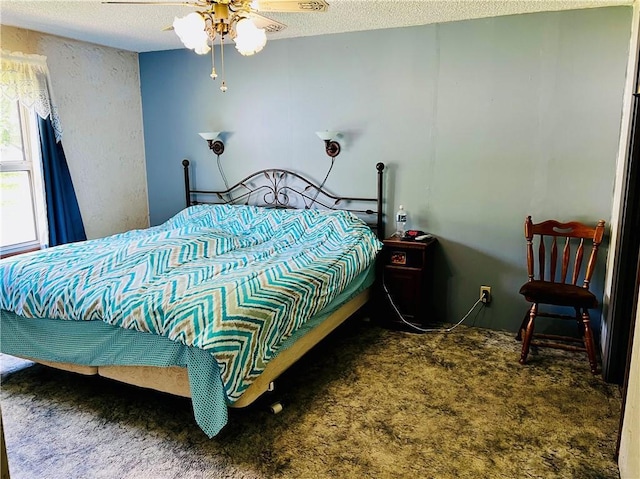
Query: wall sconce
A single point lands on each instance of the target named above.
(215, 145)
(332, 147)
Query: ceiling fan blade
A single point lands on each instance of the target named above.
(270, 26)
(185, 4)
(291, 5)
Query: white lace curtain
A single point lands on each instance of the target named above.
(26, 78)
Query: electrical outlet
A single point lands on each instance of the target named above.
(485, 294)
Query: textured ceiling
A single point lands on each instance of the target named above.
(139, 27)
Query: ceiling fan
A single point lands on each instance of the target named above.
(238, 19)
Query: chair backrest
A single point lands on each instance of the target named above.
(567, 231)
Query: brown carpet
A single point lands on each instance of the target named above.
(368, 403)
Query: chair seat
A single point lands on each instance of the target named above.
(560, 294)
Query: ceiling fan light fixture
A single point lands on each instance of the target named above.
(249, 39)
(191, 31)
(234, 19)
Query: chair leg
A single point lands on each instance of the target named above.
(528, 334)
(588, 342)
(523, 325)
(579, 321)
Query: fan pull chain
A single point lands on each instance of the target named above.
(223, 87)
(213, 75)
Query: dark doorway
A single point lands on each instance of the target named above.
(622, 305)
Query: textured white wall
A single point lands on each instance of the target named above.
(97, 91)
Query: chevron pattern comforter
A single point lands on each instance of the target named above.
(232, 280)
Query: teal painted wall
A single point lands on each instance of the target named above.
(480, 123)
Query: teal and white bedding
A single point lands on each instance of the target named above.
(96, 343)
(233, 281)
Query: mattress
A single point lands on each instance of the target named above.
(96, 343)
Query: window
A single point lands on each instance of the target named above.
(22, 203)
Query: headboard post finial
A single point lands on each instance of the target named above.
(187, 187)
(380, 223)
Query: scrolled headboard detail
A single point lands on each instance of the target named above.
(278, 188)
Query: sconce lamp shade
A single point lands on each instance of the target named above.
(210, 135)
(327, 135)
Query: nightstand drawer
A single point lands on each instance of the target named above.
(410, 258)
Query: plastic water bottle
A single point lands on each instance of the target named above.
(401, 221)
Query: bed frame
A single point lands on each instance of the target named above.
(278, 188)
(272, 188)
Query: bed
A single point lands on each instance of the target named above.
(213, 304)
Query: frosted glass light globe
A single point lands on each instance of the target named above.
(249, 38)
(190, 30)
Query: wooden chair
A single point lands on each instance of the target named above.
(562, 291)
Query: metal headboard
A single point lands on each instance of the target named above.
(277, 188)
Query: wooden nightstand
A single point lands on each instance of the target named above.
(407, 274)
